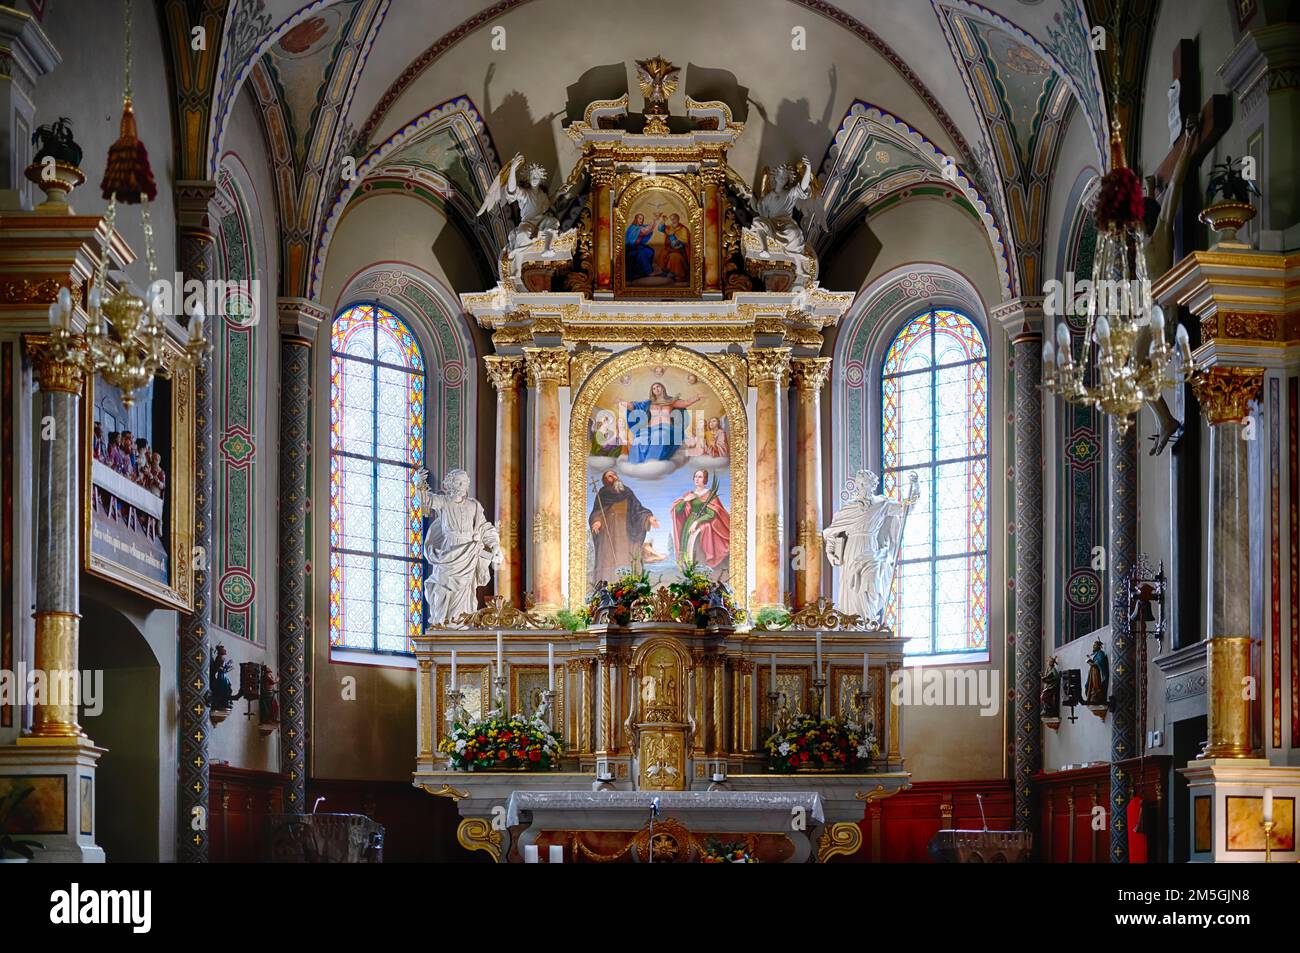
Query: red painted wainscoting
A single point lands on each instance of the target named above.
(1065, 813)
(898, 829)
(239, 802)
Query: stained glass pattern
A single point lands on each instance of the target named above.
(377, 395)
(934, 422)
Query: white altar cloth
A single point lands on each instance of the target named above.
(669, 801)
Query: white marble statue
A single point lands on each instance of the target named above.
(535, 218)
(863, 540)
(774, 222)
(461, 546)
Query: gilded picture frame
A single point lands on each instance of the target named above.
(177, 591)
(678, 198)
(580, 423)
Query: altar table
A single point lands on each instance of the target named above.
(685, 822)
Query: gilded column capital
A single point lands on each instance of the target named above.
(57, 375)
(505, 373)
(547, 364)
(768, 365)
(810, 375)
(1225, 392)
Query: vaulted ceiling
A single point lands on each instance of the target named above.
(882, 96)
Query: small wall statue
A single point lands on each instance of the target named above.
(863, 540)
(220, 694)
(268, 703)
(1049, 698)
(461, 545)
(1095, 688)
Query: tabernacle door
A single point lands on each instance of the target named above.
(660, 726)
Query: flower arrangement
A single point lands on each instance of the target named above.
(612, 601)
(719, 852)
(773, 618)
(809, 742)
(502, 742)
(703, 593)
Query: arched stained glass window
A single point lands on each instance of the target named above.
(934, 422)
(377, 393)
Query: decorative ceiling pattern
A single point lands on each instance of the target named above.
(447, 150)
(1022, 104)
(876, 156)
(304, 85)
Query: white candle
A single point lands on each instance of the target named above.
(1268, 805)
(550, 663)
(500, 650)
(530, 854)
(819, 655)
(453, 670)
(555, 854)
(718, 777)
(772, 675)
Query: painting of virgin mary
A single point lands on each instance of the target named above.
(657, 427)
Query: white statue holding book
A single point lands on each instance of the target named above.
(461, 545)
(863, 540)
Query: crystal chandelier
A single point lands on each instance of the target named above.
(1116, 308)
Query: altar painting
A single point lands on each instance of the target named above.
(659, 447)
(659, 231)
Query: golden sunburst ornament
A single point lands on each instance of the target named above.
(658, 80)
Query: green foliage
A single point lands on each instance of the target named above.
(574, 621)
(773, 618)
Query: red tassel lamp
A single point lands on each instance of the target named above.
(127, 175)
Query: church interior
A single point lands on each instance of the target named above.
(552, 431)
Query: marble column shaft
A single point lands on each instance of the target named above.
(810, 374)
(548, 368)
(58, 543)
(1026, 344)
(767, 370)
(1225, 394)
(507, 377)
(197, 262)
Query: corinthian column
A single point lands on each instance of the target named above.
(299, 321)
(810, 375)
(1224, 394)
(197, 262)
(548, 368)
(1023, 322)
(767, 369)
(507, 376)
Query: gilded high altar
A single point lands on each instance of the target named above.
(730, 303)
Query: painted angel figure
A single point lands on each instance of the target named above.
(774, 211)
(461, 546)
(864, 539)
(535, 215)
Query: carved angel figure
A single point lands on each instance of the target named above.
(461, 546)
(535, 216)
(863, 540)
(774, 210)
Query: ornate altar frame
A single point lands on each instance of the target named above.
(178, 592)
(588, 390)
(630, 186)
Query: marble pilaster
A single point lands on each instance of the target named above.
(507, 377)
(810, 374)
(548, 368)
(767, 370)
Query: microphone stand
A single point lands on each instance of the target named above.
(654, 812)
